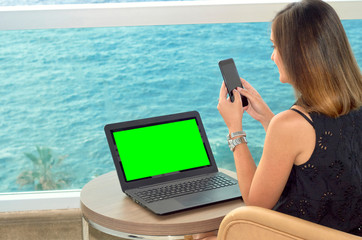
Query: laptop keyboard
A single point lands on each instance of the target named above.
(184, 188)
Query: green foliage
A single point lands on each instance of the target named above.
(44, 174)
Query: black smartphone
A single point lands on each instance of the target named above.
(231, 78)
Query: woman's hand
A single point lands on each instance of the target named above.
(231, 112)
(257, 108)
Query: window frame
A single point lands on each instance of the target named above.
(133, 14)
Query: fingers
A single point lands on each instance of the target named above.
(247, 85)
(237, 96)
(245, 92)
(223, 92)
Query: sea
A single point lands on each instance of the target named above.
(60, 87)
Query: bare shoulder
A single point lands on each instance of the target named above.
(295, 133)
(288, 120)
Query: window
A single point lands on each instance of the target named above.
(59, 88)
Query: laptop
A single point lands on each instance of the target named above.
(165, 163)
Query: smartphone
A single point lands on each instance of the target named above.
(231, 78)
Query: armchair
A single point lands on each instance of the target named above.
(259, 223)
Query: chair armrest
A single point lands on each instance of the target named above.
(259, 223)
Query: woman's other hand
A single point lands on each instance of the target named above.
(257, 108)
(231, 112)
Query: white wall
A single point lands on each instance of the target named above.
(153, 13)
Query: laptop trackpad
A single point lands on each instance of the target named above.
(194, 200)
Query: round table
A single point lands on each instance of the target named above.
(105, 207)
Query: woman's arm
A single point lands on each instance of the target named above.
(263, 186)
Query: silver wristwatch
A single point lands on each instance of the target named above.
(235, 134)
(234, 142)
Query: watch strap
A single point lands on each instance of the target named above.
(235, 134)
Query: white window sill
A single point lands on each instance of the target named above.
(45, 200)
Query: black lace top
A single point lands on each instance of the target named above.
(327, 189)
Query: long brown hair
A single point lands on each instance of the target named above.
(318, 58)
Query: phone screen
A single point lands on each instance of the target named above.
(231, 78)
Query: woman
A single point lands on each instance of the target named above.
(311, 166)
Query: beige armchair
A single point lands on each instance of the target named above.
(258, 224)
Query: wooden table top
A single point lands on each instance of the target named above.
(104, 203)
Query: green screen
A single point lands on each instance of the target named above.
(160, 149)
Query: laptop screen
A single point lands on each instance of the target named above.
(160, 149)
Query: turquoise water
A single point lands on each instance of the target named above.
(60, 87)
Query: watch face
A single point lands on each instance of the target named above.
(234, 142)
